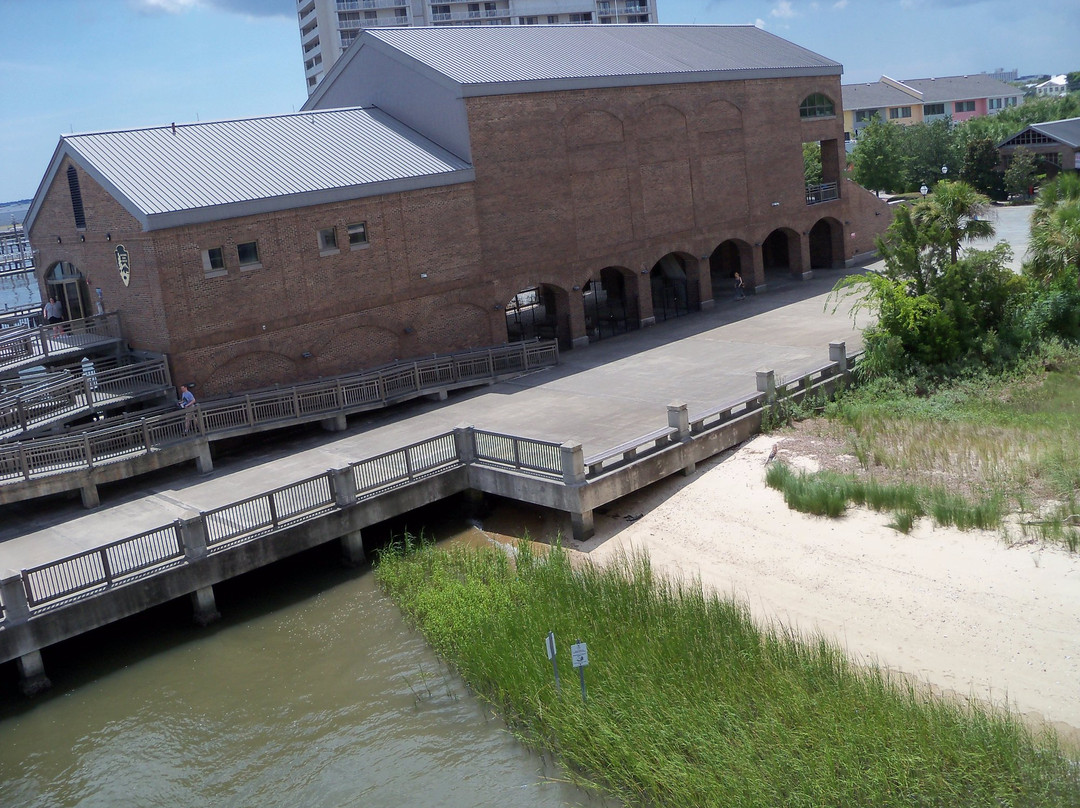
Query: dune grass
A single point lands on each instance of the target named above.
(692, 704)
(968, 453)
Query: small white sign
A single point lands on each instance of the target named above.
(579, 654)
(550, 643)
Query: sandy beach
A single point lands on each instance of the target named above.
(962, 611)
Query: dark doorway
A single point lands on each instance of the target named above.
(67, 285)
(534, 313)
(674, 292)
(608, 309)
(824, 239)
(730, 257)
(776, 253)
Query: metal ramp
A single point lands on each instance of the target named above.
(22, 348)
(38, 404)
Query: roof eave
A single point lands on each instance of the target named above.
(636, 80)
(274, 204)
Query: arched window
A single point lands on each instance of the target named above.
(817, 105)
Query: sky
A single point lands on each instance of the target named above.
(99, 65)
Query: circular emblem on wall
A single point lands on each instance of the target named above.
(123, 264)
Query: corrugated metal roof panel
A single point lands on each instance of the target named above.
(472, 55)
(961, 88)
(875, 95)
(163, 170)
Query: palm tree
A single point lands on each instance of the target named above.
(1055, 241)
(955, 213)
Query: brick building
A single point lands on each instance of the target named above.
(492, 184)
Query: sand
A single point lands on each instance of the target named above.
(960, 610)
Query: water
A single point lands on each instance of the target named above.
(18, 290)
(311, 691)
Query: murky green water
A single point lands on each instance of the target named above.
(311, 691)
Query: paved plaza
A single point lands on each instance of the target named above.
(600, 396)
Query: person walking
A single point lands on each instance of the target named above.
(187, 404)
(53, 314)
(740, 287)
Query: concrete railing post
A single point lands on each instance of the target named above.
(678, 417)
(572, 460)
(13, 595)
(838, 354)
(343, 486)
(766, 383)
(192, 529)
(463, 442)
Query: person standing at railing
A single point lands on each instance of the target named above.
(187, 404)
(54, 315)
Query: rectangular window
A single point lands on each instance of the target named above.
(213, 262)
(933, 109)
(554, 19)
(247, 254)
(964, 106)
(899, 112)
(357, 235)
(328, 240)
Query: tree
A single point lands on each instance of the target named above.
(1021, 173)
(811, 153)
(1054, 247)
(877, 158)
(953, 214)
(1073, 81)
(926, 147)
(978, 169)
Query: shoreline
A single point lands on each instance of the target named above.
(957, 610)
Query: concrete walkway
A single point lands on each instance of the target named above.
(601, 395)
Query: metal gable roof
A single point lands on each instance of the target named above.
(258, 164)
(495, 55)
(961, 88)
(875, 95)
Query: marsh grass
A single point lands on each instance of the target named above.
(974, 450)
(692, 704)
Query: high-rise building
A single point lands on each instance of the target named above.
(327, 27)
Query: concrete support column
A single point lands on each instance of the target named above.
(89, 493)
(678, 417)
(32, 678)
(766, 383)
(838, 354)
(204, 463)
(335, 423)
(581, 525)
(204, 606)
(579, 338)
(705, 294)
(439, 395)
(803, 270)
(352, 549)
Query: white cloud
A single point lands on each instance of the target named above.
(164, 6)
(840, 5)
(759, 23)
(783, 10)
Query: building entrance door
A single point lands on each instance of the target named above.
(68, 286)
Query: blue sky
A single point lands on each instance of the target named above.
(95, 65)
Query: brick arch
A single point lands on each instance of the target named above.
(592, 127)
(719, 115)
(451, 326)
(250, 371)
(660, 122)
(357, 348)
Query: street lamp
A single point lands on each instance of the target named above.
(924, 190)
(944, 170)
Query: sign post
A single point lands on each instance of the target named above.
(579, 654)
(550, 644)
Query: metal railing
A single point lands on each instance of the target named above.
(826, 192)
(80, 390)
(72, 578)
(21, 347)
(307, 402)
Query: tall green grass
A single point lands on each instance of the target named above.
(1006, 443)
(692, 704)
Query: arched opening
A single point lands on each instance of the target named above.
(826, 244)
(776, 252)
(64, 282)
(674, 287)
(539, 312)
(729, 257)
(609, 308)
